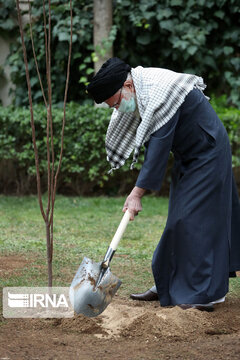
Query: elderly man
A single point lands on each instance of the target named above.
(167, 111)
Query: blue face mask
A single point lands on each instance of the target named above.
(127, 106)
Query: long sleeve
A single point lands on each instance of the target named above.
(156, 156)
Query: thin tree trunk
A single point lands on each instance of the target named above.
(49, 251)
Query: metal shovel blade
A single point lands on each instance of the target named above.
(85, 295)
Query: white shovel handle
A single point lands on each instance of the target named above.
(120, 230)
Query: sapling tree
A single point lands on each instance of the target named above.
(53, 167)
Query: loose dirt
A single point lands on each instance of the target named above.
(126, 330)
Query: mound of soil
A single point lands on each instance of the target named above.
(128, 330)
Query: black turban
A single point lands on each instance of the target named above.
(108, 80)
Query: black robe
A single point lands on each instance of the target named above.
(201, 240)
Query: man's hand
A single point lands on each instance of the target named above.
(133, 202)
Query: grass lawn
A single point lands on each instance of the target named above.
(82, 227)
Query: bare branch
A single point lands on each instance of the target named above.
(49, 54)
(34, 53)
(31, 110)
(45, 34)
(64, 107)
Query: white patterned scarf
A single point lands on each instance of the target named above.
(159, 94)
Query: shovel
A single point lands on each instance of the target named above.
(94, 286)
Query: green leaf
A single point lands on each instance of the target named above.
(180, 44)
(167, 25)
(89, 71)
(82, 66)
(219, 13)
(88, 60)
(176, 2)
(166, 13)
(236, 63)
(192, 49)
(62, 36)
(7, 24)
(83, 79)
(149, 14)
(74, 38)
(227, 50)
(95, 58)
